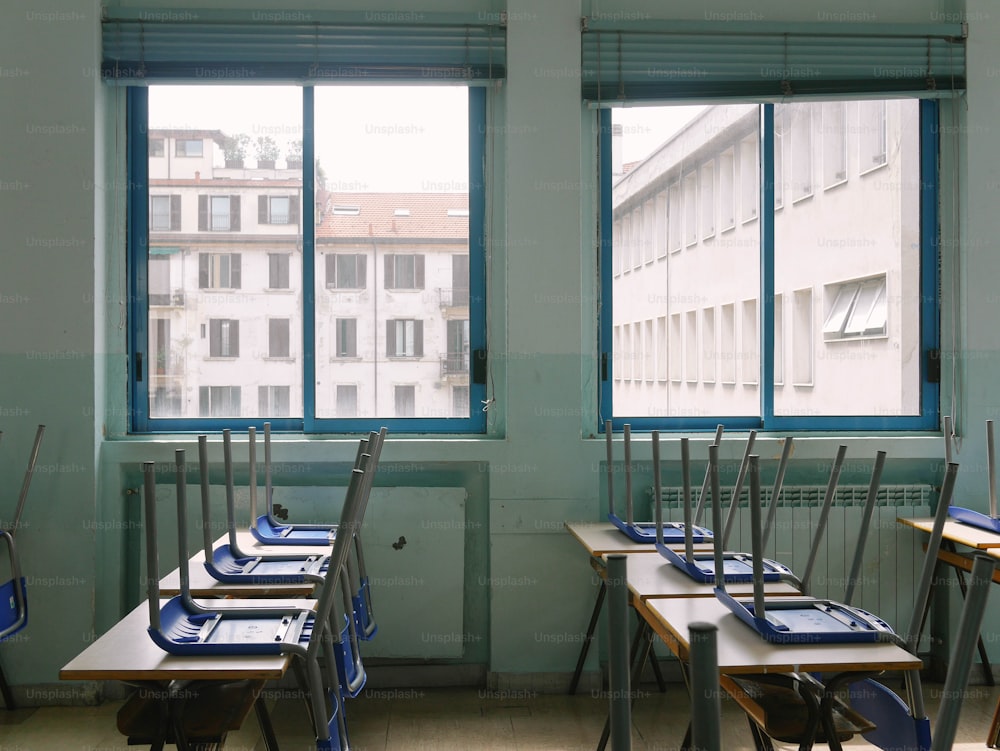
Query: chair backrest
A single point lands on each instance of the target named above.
(13, 594)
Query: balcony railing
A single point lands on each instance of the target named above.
(454, 363)
(451, 297)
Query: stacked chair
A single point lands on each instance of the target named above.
(320, 635)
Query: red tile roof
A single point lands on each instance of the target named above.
(428, 217)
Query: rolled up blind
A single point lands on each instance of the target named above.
(307, 45)
(625, 60)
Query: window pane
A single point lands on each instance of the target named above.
(214, 270)
(392, 250)
(688, 308)
(854, 250)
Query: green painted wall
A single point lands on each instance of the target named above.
(528, 588)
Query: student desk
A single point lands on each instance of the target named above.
(741, 651)
(600, 539)
(126, 653)
(966, 535)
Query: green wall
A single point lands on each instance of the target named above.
(528, 588)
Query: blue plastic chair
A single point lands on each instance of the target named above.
(990, 521)
(14, 592)
(182, 626)
(228, 562)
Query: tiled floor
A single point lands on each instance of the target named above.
(452, 720)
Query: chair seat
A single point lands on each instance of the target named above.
(782, 713)
(209, 712)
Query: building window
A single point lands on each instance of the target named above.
(164, 213)
(159, 280)
(278, 337)
(347, 400)
(219, 401)
(834, 289)
(347, 337)
(404, 271)
(346, 271)
(690, 201)
(460, 401)
(274, 401)
(189, 147)
(426, 237)
(404, 338)
(277, 209)
(405, 399)
(223, 337)
(834, 143)
(218, 213)
(219, 270)
(277, 270)
(856, 309)
(872, 139)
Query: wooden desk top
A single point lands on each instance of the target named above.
(963, 534)
(601, 538)
(652, 577)
(742, 650)
(127, 653)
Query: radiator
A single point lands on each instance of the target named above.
(893, 552)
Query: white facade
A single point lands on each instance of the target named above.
(686, 262)
(226, 302)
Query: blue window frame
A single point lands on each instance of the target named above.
(778, 338)
(163, 395)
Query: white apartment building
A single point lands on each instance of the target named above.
(226, 300)
(686, 265)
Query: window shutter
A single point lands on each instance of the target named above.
(203, 213)
(293, 210)
(155, 44)
(418, 338)
(234, 213)
(234, 339)
(651, 60)
(418, 271)
(175, 212)
(331, 270)
(203, 261)
(390, 338)
(262, 209)
(362, 262)
(390, 277)
(214, 337)
(235, 270)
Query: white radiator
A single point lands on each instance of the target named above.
(893, 553)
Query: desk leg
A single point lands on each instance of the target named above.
(637, 659)
(994, 736)
(589, 637)
(264, 721)
(983, 656)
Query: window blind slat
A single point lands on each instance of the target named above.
(741, 61)
(165, 45)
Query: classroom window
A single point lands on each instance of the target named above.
(418, 226)
(823, 289)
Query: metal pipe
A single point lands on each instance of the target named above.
(152, 565)
(609, 450)
(824, 514)
(713, 471)
(686, 500)
(779, 480)
(657, 489)
(706, 705)
(738, 488)
(28, 473)
(627, 435)
(756, 538)
(866, 520)
(704, 483)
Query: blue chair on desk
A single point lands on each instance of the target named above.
(14, 592)
(228, 562)
(182, 626)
